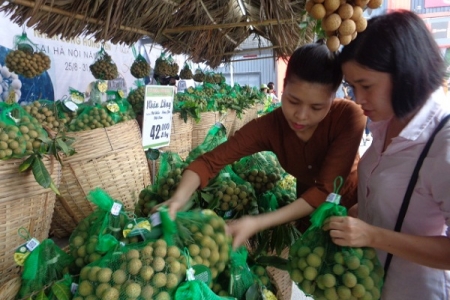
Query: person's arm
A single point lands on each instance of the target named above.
(245, 227)
(430, 251)
(248, 140)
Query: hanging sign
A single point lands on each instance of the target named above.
(157, 122)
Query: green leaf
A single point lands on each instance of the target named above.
(63, 146)
(61, 291)
(273, 261)
(54, 188)
(41, 296)
(40, 173)
(27, 163)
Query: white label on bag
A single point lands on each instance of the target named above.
(32, 244)
(115, 209)
(334, 198)
(73, 288)
(155, 219)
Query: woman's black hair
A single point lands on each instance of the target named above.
(316, 64)
(400, 44)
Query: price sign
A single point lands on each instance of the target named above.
(157, 121)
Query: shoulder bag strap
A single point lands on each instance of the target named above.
(411, 185)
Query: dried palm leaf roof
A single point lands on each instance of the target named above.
(208, 31)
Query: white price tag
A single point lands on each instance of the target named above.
(334, 198)
(71, 105)
(155, 219)
(115, 209)
(73, 288)
(32, 244)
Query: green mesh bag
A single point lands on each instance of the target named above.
(25, 59)
(193, 289)
(169, 174)
(188, 105)
(103, 68)
(140, 68)
(118, 107)
(215, 136)
(136, 97)
(146, 270)
(20, 133)
(261, 169)
(44, 265)
(327, 271)
(148, 199)
(99, 232)
(241, 277)
(92, 117)
(229, 195)
(203, 234)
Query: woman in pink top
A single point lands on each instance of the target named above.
(396, 71)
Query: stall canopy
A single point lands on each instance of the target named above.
(208, 31)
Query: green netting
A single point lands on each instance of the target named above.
(215, 136)
(169, 174)
(99, 232)
(104, 67)
(203, 234)
(44, 265)
(136, 97)
(229, 195)
(140, 68)
(241, 277)
(196, 290)
(261, 169)
(323, 269)
(141, 271)
(50, 114)
(20, 133)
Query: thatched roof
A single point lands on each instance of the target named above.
(208, 31)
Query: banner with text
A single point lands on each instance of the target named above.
(70, 61)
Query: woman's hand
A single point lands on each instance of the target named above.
(349, 231)
(174, 205)
(242, 229)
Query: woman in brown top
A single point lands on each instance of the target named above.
(315, 138)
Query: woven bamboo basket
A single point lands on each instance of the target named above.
(281, 279)
(23, 203)
(180, 136)
(227, 119)
(247, 116)
(110, 158)
(200, 129)
(9, 289)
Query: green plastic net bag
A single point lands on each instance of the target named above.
(229, 195)
(186, 72)
(92, 117)
(241, 277)
(328, 271)
(136, 97)
(169, 174)
(20, 133)
(193, 288)
(104, 67)
(140, 68)
(188, 106)
(203, 234)
(99, 232)
(25, 59)
(43, 266)
(261, 169)
(216, 135)
(148, 270)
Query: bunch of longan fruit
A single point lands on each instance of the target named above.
(341, 19)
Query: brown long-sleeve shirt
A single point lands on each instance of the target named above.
(331, 151)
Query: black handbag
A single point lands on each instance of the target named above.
(411, 185)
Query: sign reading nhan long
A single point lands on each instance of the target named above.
(157, 118)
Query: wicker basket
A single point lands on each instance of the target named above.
(180, 136)
(111, 158)
(281, 279)
(23, 203)
(247, 116)
(9, 290)
(228, 120)
(200, 129)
